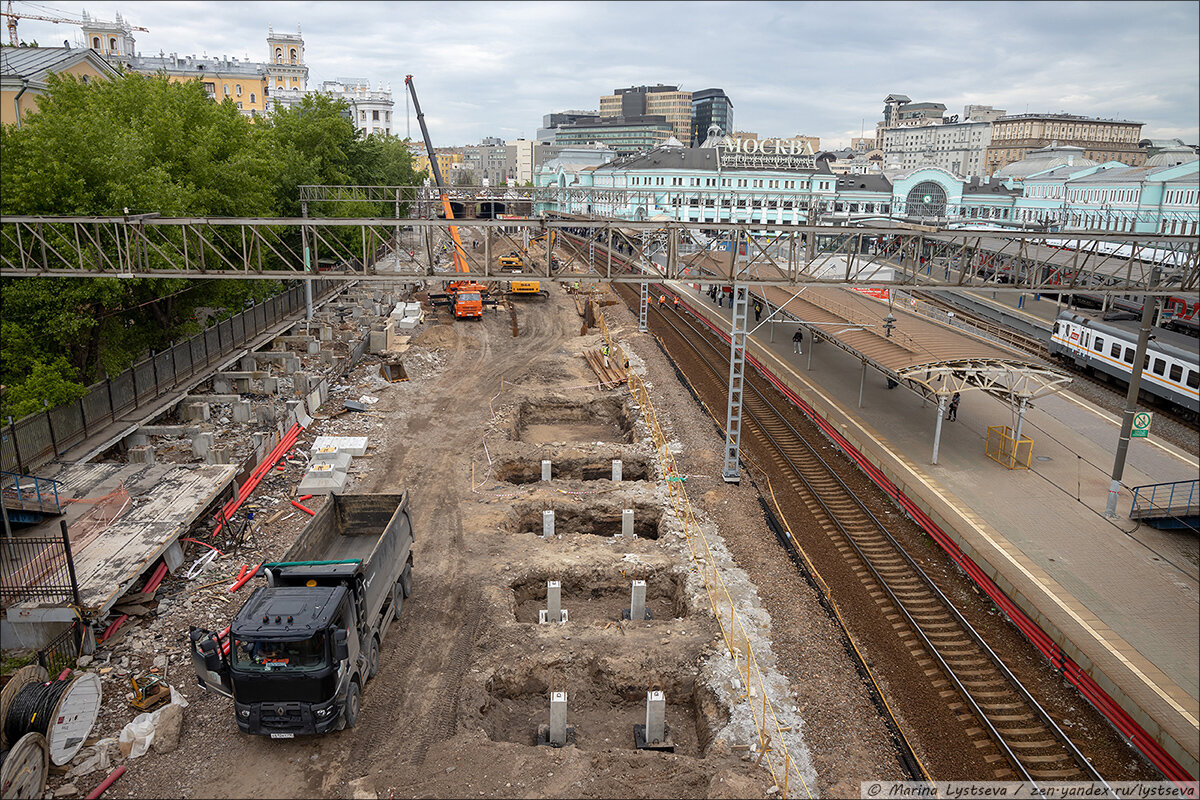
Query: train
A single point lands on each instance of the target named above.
(1170, 369)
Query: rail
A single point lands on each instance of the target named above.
(784, 769)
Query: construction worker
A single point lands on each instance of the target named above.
(662, 300)
(676, 302)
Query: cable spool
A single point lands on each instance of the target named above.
(63, 711)
(30, 673)
(25, 768)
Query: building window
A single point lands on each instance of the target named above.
(292, 55)
(225, 86)
(84, 79)
(375, 116)
(112, 45)
(278, 55)
(252, 98)
(237, 89)
(95, 42)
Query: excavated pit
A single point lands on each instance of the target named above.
(605, 419)
(596, 521)
(602, 706)
(593, 600)
(525, 470)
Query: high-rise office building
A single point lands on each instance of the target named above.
(710, 107)
(637, 101)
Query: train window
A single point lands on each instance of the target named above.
(1129, 356)
(1115, 352)
(1056, 327)
(1193, 379)
(1176, 373)
(1159, 367)
(1099, 344)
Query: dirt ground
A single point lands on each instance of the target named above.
(465, 672)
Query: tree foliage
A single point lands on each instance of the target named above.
(140, 144)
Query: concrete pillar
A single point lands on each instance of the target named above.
(547, 524)
(197, 411)
(637, 601)
(558, 718)
(141, 455)
(217, 455)
(326, 333)
(326, 356)
(266, 414)
(248, 364)
(201, 444)
(222, 385)
(136, 440)
(270, 385)
(242, 385)
(616, 470)
(656, 717)
(314, 347)
(291, 365)
(546, 470)
(301, 384)
(241, 411)
(627, 524)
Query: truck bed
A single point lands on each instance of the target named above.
(345, 528)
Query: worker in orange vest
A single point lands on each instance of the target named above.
(676, 303)
(662, 300)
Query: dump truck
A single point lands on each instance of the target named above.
(298, 654)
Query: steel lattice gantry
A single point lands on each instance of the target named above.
(390, 248)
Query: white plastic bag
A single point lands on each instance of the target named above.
(137, 736)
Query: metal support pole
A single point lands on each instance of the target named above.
(643, 306)
(737, 368)
(812, 345)
(70, 562)
(862, 382)
(308, 308)
(1021, 417)
(937, 432)
(1149, 302)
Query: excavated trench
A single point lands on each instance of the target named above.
(529, 470)
(591, 599)
(547, 421)
(596, 520)
(604, 701)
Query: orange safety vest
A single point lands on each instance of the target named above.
(662, 299)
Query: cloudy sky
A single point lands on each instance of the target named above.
(820, 69)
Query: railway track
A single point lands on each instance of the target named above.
(1017, 736)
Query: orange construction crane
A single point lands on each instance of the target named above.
(466, 296)
(14, 16)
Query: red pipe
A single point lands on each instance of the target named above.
(305, 497)
(109, 781)
(240, 582)
(156, 578)
(304, 508)
(242, 572)
(1084, 682)
(62, 676)
(111, 629)
(256, 475)
(197, 541)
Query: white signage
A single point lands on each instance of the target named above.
(790, 147)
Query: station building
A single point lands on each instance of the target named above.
(776, 182)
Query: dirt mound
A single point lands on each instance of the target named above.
(437, 336)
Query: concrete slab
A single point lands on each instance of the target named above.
(331, 455)
(354, 445)
(322, 479)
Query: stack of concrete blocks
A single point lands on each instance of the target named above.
(329, 465)
(383, 336)
(407, 315)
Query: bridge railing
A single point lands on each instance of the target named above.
(1176, 498)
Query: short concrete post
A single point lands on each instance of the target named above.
(637, 601)
(248, 364)
(627, 524)
(241, 411)
(553, 601)
(547, 524)
(270, 385)
(616, 472)
(545, 470)
(201, 444)
(558, 718)
(656, 717)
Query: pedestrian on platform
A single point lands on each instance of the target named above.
(953, 413)
(721, 298)
(757, 311)
(797, 340)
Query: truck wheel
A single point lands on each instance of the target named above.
(406, 579)
(373, 658)
(397, 599)
(353, 704)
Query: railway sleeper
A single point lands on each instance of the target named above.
(1043, 744)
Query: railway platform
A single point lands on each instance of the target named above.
(1120, 599)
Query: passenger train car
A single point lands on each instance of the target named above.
(1170, 370)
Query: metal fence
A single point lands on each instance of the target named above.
(63, 650)
(37, 569)
(36, 439)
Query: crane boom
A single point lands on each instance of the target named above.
(460, 261)
(14, 16)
